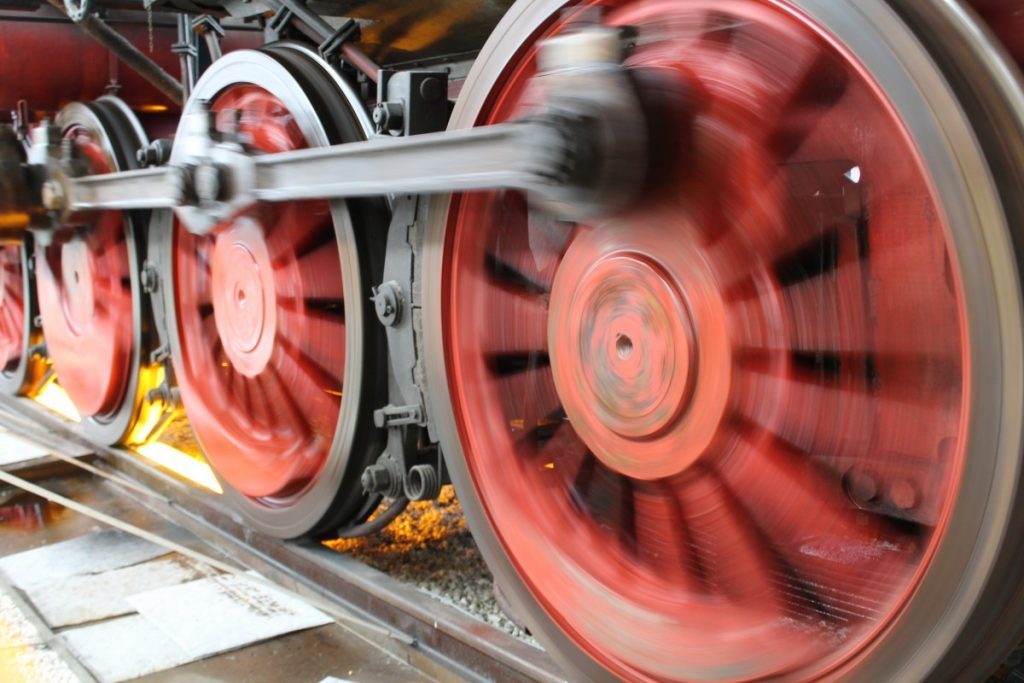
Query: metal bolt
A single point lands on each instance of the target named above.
(155, 153)
(387, 302)
(861, 487)
(376, 478)
(149, 279)
(430, 89)
(904, 494)
(53, 195)
(388, 116)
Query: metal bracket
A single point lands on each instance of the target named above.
(399, 276)
(78, 9)
(20, 119)
(169, 396)
(188, 55)
(331, 47)
(160, 354)
(150, 278)
(397, 416)
(411, 102)
(278, 23)
(211, 31)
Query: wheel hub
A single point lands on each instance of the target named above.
(635, 336)
(243, 297)
(624, 357)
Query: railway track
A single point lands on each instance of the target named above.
(436, 638)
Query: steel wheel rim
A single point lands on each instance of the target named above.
(454, 438)
(292, 75)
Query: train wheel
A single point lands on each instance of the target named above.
(766, 423)
(275, 350)
(20, 367)
(88, 283)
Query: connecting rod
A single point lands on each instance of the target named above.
(580, 152)
(532, 156)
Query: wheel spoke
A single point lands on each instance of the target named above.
(311, 388)
(319, 335)
(316, 275)
(732, 558)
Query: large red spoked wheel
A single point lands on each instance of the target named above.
(274, 351)
(20, 370)
(766, 423)
(90, 296)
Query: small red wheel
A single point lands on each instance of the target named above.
(17, 332)
(88, 283)
(272, 350)
(733, 432)
(12, 306)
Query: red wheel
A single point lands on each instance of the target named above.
(88, 284)
(16, 330)
(272, 351)
(12, 306)
(734, 433)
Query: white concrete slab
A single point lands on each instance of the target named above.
(15, 449)
(91, 597)
(24, 653)
(223, 613)
(124, 648)
(92, 554)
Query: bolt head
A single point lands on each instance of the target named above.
(904, 495)
(207, 180)
(430, 89)
(53, 195)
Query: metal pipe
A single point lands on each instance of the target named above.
(129, 54)
(360, 60)
(378, 523)
(308, 17)
(186, 50)
(323, 30)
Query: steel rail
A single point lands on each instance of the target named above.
(446, 639)
(173, 546)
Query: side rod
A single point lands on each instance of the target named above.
(148, 188)
(523, 155)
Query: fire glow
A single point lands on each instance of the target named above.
(180, 463)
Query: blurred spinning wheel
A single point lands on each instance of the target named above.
(275, 352)
(95, 315)
(766, 423)
(20, 368)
